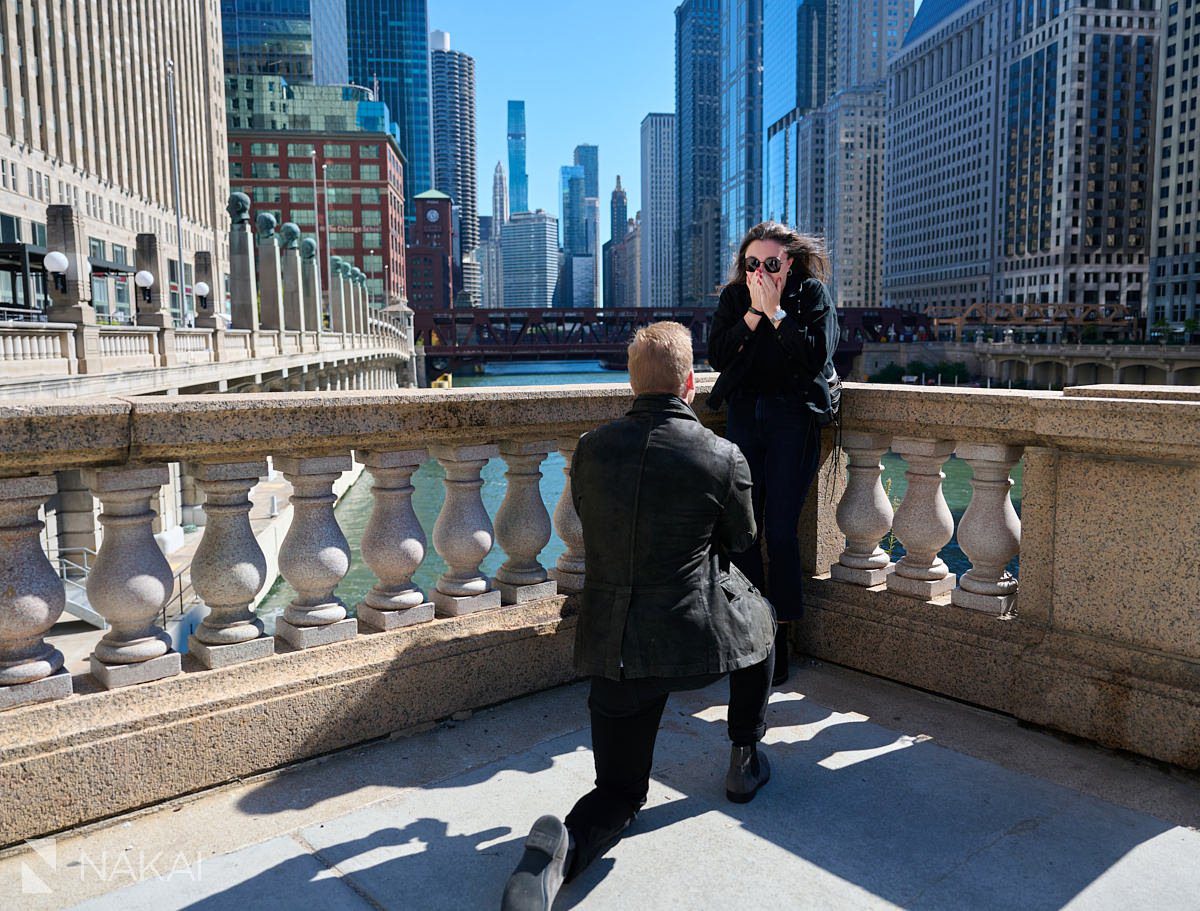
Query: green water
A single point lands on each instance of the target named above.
(355, 507)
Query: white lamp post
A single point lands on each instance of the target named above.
(145, 281)
(56, 264)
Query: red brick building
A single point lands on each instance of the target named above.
(359, 199)
(431, 253)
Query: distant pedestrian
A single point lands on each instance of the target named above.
(662, 499)
(773, 339)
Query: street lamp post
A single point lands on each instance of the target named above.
(328, 250)
(175, 180)
(316, 220)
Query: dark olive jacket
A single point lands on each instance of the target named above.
(808, 334)
(661, 498)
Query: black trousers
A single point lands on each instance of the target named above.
(625, 719)
(780, 438)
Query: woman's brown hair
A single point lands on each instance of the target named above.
(807, 251)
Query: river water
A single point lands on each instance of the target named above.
(355, 507)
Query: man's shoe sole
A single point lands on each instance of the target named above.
(529, 891)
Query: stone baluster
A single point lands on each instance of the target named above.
(243, 284)
(462, 534)
(293, 287)
(31, 598)
(315, 554)
(270, 278)
(568, 572)
(523, 525)
(990, 531)
(923, 522)
(229, 568)
(131, 581)
(864, 514)
(393, 543)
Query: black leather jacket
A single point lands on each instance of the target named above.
(660, 497)
(808, 334)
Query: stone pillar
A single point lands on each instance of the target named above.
(393, 543)
(337, 295)
(209, 310)
(522, 524)
(315, 555)
(31, 598)
(293, 289)
(462, 534)
(568, 572)
(229, 568)
(270, 280)
(243, 285)
(131, 580)
(865, 513)
(157, 310)
(65, 233)
(990, 532)
(310, 282)
(923, 522)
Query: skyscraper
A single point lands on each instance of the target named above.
(530, 250)
(518, 180)
(741, 121)
(491, 263)
(659, 211)
(499, 200)
(301, 41)
(618, 212)
(1175, 245)
(798, 76)
(941, 163)
(1076, 154)
(453, 80)
(1020, 155)
(588, 158)
(571, 212)
(698, 145)
(388, 46)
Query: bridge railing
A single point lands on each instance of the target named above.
(30, 350)
(1094, 635)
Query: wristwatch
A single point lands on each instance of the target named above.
(778, 315)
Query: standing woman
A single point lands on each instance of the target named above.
(773, 339)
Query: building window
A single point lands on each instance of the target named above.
(264, 169)
(369, 196)
(338, 171)
(368, 172)
(368, 151)
(235, 169)
(264, 149)
(300, 149)
(372, 217)
(235, 149)
(301, 194)
(342, 217)
(337, 151)
(300, 171)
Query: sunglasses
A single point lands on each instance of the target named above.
(772, 264)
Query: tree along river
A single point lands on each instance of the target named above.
(355, 507)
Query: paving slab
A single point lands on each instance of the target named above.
(869, 807)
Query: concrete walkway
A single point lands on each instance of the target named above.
(882, 797)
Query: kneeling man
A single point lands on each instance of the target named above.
(662, 500)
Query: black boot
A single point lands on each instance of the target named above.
(748, 771)
(539, 875)
(781, 656)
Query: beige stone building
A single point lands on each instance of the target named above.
(84, 121)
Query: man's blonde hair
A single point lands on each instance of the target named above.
(660, 358)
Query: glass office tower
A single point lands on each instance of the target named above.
(518, 180)
(303, 41)
(388, 49)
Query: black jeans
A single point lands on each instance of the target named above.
(625, 718)
(780, 438)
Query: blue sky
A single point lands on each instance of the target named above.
(588, 73)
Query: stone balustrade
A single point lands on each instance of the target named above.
(1096, 637)
(37, 349)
